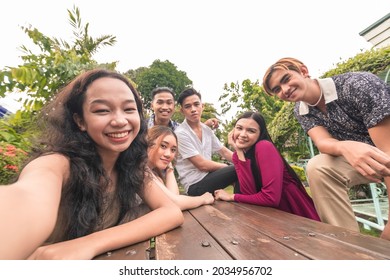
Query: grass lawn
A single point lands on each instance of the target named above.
(229, 189)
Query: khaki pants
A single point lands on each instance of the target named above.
(329, 179)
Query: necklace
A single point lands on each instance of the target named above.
(317, 101)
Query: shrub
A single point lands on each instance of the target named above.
(11, 159)
(301, 173)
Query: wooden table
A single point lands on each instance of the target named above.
(228, 230)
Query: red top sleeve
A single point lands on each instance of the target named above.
(271, 168)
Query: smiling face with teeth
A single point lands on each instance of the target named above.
(110, 115)
(246, 133)
(163, 106)
(288, 85)
(289, 79)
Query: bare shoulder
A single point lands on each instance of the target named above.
(50, 164)
(51, 160)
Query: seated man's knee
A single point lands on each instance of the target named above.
(194, 191)
(319, 164)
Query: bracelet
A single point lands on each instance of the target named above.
(170, 167)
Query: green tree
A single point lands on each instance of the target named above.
(288, 135)
(133, 74)
(159, 73)
(42, 74)
(209, 112)
(249, 96)
(376, 61)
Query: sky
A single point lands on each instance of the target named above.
(213, 41)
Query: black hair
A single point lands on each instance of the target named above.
(186, 93)
(162, 89)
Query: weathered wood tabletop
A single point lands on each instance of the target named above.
(228, 230)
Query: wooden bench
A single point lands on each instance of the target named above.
(229, 230)
(139, 251)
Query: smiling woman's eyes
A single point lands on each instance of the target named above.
(108, 110)
(131, 109)
(100, 111)
(163, 146)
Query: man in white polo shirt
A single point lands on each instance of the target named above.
(198, 173)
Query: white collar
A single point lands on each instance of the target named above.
(329, 90)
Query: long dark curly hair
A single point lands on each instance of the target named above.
(82, 195)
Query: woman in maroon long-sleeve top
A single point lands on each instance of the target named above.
(265, 177)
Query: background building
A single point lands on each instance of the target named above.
(378, 33)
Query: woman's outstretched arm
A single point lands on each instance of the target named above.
(29, 207)
(165, 215)
(184, 201)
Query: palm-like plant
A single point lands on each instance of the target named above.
(43, 74)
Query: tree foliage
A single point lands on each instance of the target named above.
(42, 74)
(249, 96)
(208, 112)
(375, 61)
(158, 74)
(288, 135)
